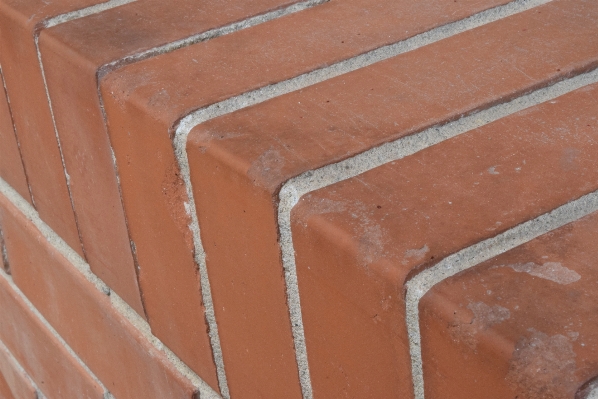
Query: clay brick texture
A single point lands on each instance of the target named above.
(299, 199)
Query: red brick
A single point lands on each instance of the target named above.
(521, 325)
(5, 391)
(239, 161)
(145, 101)
(358, 241)
(127, 364)
(42, 355)
(11, 166)
(20, 22)
(17, 381)
(73, 54)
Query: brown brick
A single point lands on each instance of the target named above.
(42, 355)
(11, 166)
(146, 100)
(5, 391)
(239, 162)
(358, 241)
(20, 22)
(17, 383)
(127, 364)
(521, 325)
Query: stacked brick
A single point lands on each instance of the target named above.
(299, 199)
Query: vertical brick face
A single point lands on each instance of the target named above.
(359, 240)
(520, 325)
(238, 162)
(11, 166)
(19, 23)
(109, 345)
(17, 383)
(144, 101)
(45, 359)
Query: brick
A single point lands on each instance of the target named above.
(5, 391)
(485, 335)
(55, 371)
(238, 162)
(17, 383)
(11, 166)
(102, 337)
(75, 55)
(145, 101)
(358, 241)
(20, 24)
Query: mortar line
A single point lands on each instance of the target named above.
(316, 179)
(51, 329)
(20, 369)
(119, 304)
(473, 256)
(14, 127)
(308, 79)
(167, 48)
(48, 23)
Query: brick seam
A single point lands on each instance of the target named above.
(52, 331)
(260, 95)
(48, 23)
(163, 49)
(476, 254)
(20, 369)
(14, 127)
(119, 304)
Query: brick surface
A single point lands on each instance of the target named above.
(54, 370)
(145, 100)
(11, 166)
(18, 384)
(20, 22)
(520, 325)
(358, 241)
(72, 54)
(238, 162)
(5, 391)
(127, 364)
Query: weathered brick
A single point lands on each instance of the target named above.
(144, 103)
(120, 356)
(238, 162)
(11, 166)
(17, 383)
(55, 371)
(20, 24)
(521, 325)
(358, 241)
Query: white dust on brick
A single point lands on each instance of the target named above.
(19, 369)
(48, 23)
(49, 327)
(309, 181)
(474, 255)
(119, 304)
(288, 196)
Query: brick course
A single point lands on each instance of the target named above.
(298, 199)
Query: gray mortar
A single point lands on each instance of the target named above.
(476, 254)
(119, 304)
(84, 12)
(52, 331)
(313, 180)
(21, 370)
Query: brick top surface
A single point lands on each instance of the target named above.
(169, 86)
(281, 138)
(32, 12)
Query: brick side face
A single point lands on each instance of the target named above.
(298, 199)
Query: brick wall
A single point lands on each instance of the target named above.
(299, 199)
